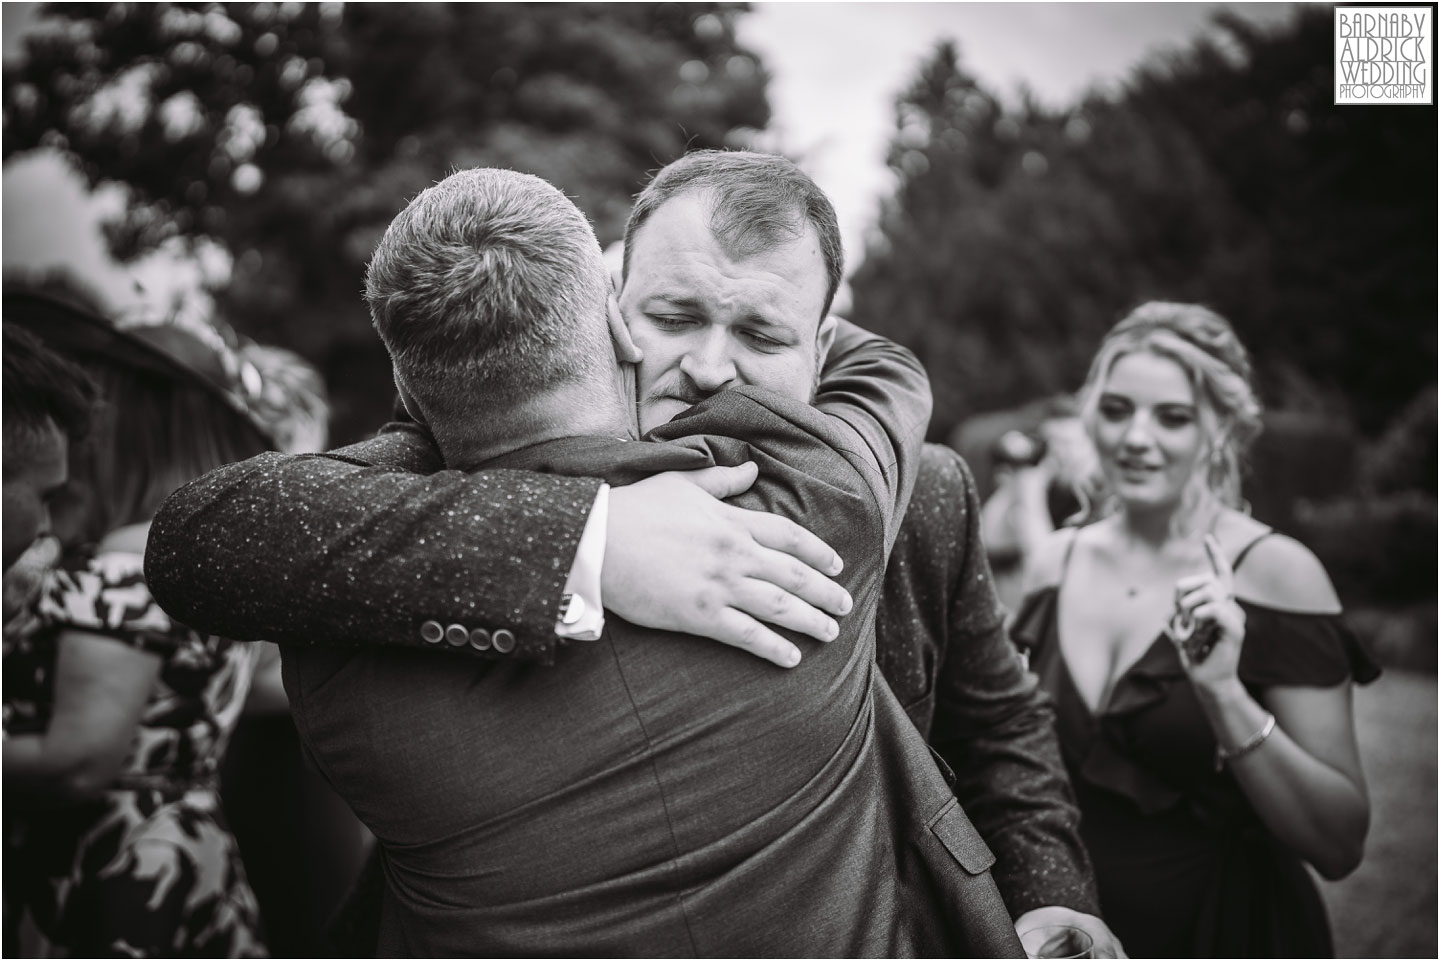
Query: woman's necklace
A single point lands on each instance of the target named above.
(1132, 591)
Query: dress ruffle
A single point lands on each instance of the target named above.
(1185, 868)
(1282, 648)
(1302, 650)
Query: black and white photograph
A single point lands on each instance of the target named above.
(750, 480)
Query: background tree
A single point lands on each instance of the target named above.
(290, 134)
(1221, 173)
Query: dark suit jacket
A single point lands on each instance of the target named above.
(349, 524)
(942, 645)
(662, 794)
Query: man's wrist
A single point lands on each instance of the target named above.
(582, 614)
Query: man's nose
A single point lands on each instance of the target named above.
(708, 363)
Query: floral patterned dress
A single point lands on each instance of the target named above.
(148, 869)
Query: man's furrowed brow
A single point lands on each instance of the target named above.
(683, 301)
(760, 320)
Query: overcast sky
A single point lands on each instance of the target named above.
(836, 70)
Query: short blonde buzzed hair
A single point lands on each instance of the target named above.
(487, 286)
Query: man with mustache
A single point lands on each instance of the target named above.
(702, 326)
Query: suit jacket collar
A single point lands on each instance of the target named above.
(613, 459)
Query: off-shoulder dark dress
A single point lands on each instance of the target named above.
(1184, 865)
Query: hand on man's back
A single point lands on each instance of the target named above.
(678, 558)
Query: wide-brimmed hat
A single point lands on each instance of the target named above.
(192, 355)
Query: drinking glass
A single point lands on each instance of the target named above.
(1057, 941)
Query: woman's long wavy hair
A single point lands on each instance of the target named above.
(1218, 367)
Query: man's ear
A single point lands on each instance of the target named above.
(625, 350)
(412, 407)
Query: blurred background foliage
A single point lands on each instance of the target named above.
(1222, 173)
(292, 133)
(289, 134)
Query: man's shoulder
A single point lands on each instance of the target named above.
(810, 470)
(397, 446)
(944, 491)
(750, 407)
(792, 425)
(766, 421)
(944, 469)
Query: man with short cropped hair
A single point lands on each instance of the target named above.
(483, 385)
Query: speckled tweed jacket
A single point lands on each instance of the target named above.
(942, 645)
(331, 549)
(807, 886)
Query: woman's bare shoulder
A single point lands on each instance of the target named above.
(1236, 529)
(129, 540)
(1046, 562)
(1281, 572)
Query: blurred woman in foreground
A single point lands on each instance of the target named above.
(1200, 668)
(126, 714)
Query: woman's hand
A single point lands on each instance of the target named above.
(1208, 627)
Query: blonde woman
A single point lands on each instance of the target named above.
(1200, 668)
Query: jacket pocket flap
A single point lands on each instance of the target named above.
(960, 838)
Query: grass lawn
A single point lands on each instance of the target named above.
(1387, 908)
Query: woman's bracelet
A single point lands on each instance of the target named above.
(1251, 743)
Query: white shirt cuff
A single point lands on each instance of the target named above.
(582, 616)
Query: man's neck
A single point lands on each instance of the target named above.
(562, 413)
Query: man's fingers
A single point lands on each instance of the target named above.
(792, 576)
(741, 630)
(720, 482)
(625, 349)
(769, 530)
(764, 601)
(786, 536)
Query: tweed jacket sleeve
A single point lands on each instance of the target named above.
(357, 547)
(370, 544)
(880, 391)
(943, 646)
